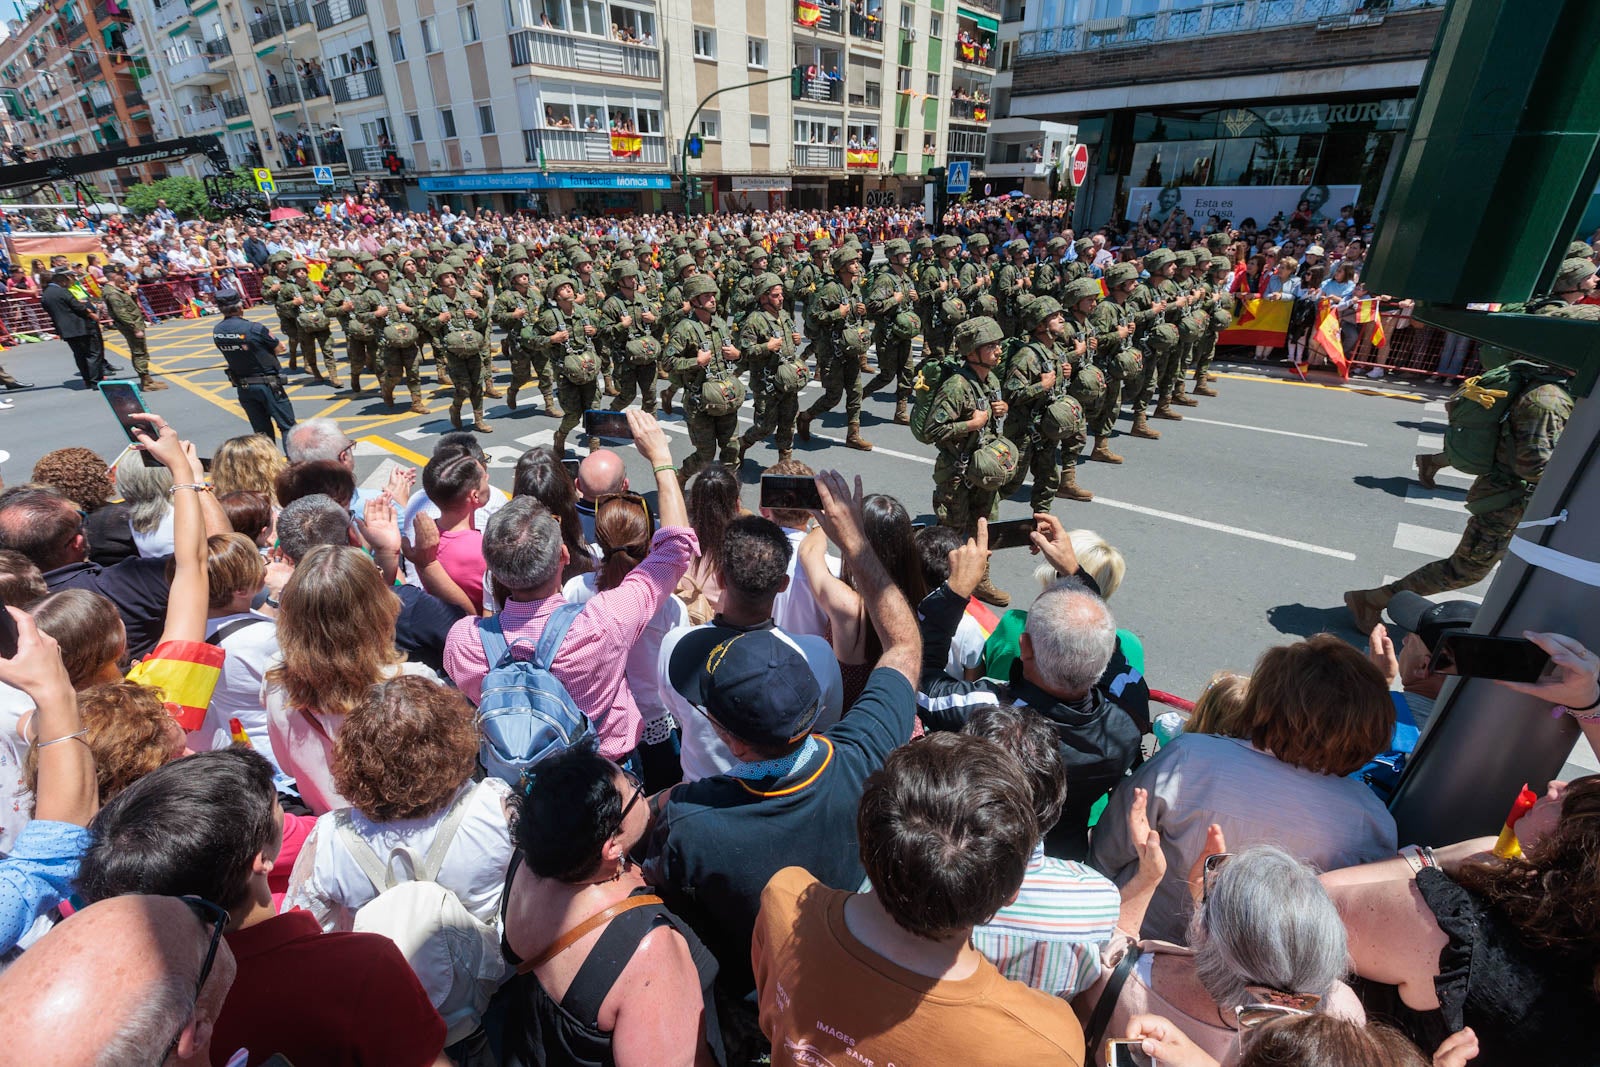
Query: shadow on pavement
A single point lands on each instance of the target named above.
(1303, 620)
(1392, 486)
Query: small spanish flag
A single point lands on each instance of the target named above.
(1367, 311)
(1328, 336)
(807, 12)
(625, 144)
(1507, 846)
(1105, 290)
(186, 672)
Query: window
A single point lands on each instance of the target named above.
(760, 129)
(935, 25)
(447, 123)
(375, 133)
(758, 53)
(397, 46)
(933, 85)
(705, 43)
(430, 39)
(711, 125)
(903, 80)
(469, 23)
(899, 142)
(908, 17)
(485, 119)
(874, 94)
(1005, 55)
(415, 122)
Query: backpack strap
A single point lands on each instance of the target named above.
(453, 818)
(225, 632)
(361, 852)
(1094, 1031)
(377, 871)
(555, 628)
(492, 636)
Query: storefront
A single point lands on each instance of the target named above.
(759, 192)
(555, 193)
(1242, 160)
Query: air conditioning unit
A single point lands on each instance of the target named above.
(1111, 25)
(911, 34)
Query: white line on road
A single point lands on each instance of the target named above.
(1434, 407)
(1433, 442)
(1444, 499)
(1283, 433)
(1425, 540)
(1454, 594)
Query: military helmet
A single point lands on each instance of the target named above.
(557, 282)
(1118, 273)
(981, 330)
(1084, 246)
(679, 243)
(1579, 250)
(444, 269)
(947, 242)
(1184, 258)
(784, 241)
(978, 241)
(699, 285)
(1080, 289)
(819, 246)
(498, 242)
(1056, 245)
(1015, 245)
(346, 266)
(681, 263)
(923, 244)
(1038, 311)
(625, 245)
(627, 268)
(518, 254)
(280, 257)
(1154, 261)
(1221, 263)
(515, 271)
(697, 246)
(1572, 274)
(579, 257)
(755, 254)
(714, 240)
(378, 266)
(741, 243)
(897, 247)
(299, 264)
(844, 256)
(765, 281)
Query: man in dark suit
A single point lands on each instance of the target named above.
(75, 324)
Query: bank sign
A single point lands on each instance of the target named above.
(1237, 202)
(536, 181)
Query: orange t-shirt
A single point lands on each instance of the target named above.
(826, 998)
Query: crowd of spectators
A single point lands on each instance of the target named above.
(798, 803)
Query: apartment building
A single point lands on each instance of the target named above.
(1025, 153)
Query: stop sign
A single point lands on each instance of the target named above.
(1080, 163)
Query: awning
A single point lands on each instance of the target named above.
(985, 22)
(531, 181)
(267, 51)
(203, 8)
(242, 124)
(179, 30)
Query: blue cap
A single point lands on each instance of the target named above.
(227, 297)
(752, 683)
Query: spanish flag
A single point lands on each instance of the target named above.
(1367, 311)
(969, 53)
(1258, 321)
(626, 144)
(186, 672)
(1328, 337)
(1105, 290)
(981, 114)
(861, 157)
(806, 12)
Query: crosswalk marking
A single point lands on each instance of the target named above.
(1425, 540)
(1452, 500)
(1431, 442)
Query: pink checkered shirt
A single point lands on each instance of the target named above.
(594, 654)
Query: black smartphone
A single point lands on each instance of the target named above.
(1511, 659)
(8, 632)
(790, 492)
(1127, 1054)
(572, 468)
(126, 401)
(1013, 533)
(597, 423)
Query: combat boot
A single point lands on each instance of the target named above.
(479, 423)
(1102, 452)
(418, 405)
(1182, 398)
(611, 387)
(511, 396)
(853, 439)
(455, 413)
(492, 391)
(1428, 468)
(552, 406)
(1141, 427)
(355, 381)
(1164, 411)
(666, 401)
(802, 426)
(387, 388)
(1366, 606)
(902, 416)
(988, 593)
(1069, 485)
(1201, 388)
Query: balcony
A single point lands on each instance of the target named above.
(358, 85)
(1013, 11)
(195, 69)
(105, 11)
(593, 55)
(170, 13)
(369, 158)
(329, 13)
(115, 144)
(133, 39)
(1018, 170)
(594, 146)
(74, 31)
(868, 27)
(202, 121)
(1216, 18)
(107, 108)
(823, 90)
(819, 156)
(970, 110)
(819, 16)
(218, 49)
(285, 94)
(977, 49)
(279, 19)
(233, 106)
(861, 158)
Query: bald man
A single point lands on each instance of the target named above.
(115, 986)
(601, 472)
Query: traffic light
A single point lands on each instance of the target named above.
(691, 188)
(393, 164)
(797, 83)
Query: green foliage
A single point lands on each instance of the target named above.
(186, 196)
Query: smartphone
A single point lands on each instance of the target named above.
(1013, 533)
(597, 423)
(572, 468)
(8, 633)
(1511, 659)
(126, 401)
(1127, 1054)
(790, 492)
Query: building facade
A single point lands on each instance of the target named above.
(1234, 108)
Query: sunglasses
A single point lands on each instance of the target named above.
(1208, 873)
(217, 917)
(638, 791)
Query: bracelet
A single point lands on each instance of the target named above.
(1418, 856)
(665, 467)
(1595, 703)
(68, 737)
(196, 486)
(270, 601)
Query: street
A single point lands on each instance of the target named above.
(1240, 528)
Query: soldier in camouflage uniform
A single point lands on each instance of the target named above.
(341, 303)
(310, 305)
(965, 414)
(286, 301)
(674, 308)
(277, 273)
(809, 274)
(744, 292)
(516, 306)
(1113, 325)
(567, 337)
(1037, 375)
(590, 295)
(128, 319)
(837, 307)
(1047, 280)
(1083, 265)
(703, 352)
(1192, 323)
(975, 278)
(1155, 307)
(386, 303)
(449, 312)
(891, 298)
(768, 338)
(938, 282)
(627, 330)
(1221, 303)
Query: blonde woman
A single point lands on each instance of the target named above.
(247, 464)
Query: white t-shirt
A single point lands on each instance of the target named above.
(702, 753)
(419, 504)
(796, 610)
(329, 883)
(641, 671)
(158, 542)
(16, 802)
(966, 647)
(251, 649)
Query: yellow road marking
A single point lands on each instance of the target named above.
(398, 449)
(1364, 391)
(331, 408)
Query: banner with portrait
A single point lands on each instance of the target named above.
(1236, 203)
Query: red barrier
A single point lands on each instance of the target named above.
(249, 286)
(161, 301)
(21, 314)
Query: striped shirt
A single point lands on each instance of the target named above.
(1050, 936)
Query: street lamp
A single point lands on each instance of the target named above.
(305, 109)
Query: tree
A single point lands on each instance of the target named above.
(186, 196)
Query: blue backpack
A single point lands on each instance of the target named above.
(524, 712)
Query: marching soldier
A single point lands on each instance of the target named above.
(975, 278)
(316, 329)
(1043, 420)
(963, 423)
(590, 295)
(1220, 318)
(939, 284)
(769, 341)
(384, 311)
(839, 310)
(1083, 265)
(567, 338)
(674, 308)
(342, 302)
(1011, 285)
(453, 318)
(627, 329)
(287, 301)
(1118, 359)
(516, 307)
(1155, 307)
(703, 353)
(1193, 321)
(1047, 279)
(891, 299)
(808, 275)
(127, 317)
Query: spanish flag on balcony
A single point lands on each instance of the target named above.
(1367, 311)
(980, 113)
(626, 144)
(806, 12)
(186, 672)
(969, 52)
(861, 157)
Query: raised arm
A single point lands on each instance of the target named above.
(189, 599)
(893, 618)
(839, 602)
(651, 442)
(66, 790)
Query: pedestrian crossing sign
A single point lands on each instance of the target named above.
(264, 181)
(958, 177)
(323, 175)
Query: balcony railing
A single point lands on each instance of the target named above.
(201, 121)
(594, 146)
(283, 94)
(970, 110)
(366, 158)
(133, 98)
(183, 70)
(102, 110)
(333, 152)
(104, 13)
(819, 16)
(74, 31)
(823, 90)
(819, 156)
(233, 106)
(357, 86)
(329, 13)
(218, 47)
(1215, 18)
(115, 144)
(281, 18)
(133, 39)
(1018, 170)
(556, 48)
(979, 50)
(169, 13)
(867, 27)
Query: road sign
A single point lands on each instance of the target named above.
(1080, 163)
(958, 177)
(264, 181)
(988, 189)
(323, 175)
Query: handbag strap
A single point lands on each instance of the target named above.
(576, 933)
(1099, 1019)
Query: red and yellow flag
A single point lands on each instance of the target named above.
(626, 144)
(1105, 290)
(1328, 337)
(861, 157)
(981, 113)
(1258, 321)
(1367, 311)
(969, 53)
(186, 672)
(807, 12)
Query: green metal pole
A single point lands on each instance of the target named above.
(683, 161)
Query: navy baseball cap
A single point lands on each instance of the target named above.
(1427, 619)
(227, 297)
(752, 683)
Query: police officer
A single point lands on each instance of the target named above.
(891, 300)
(768, 339)
(703, 353)
(128, 319)
(252, 356)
